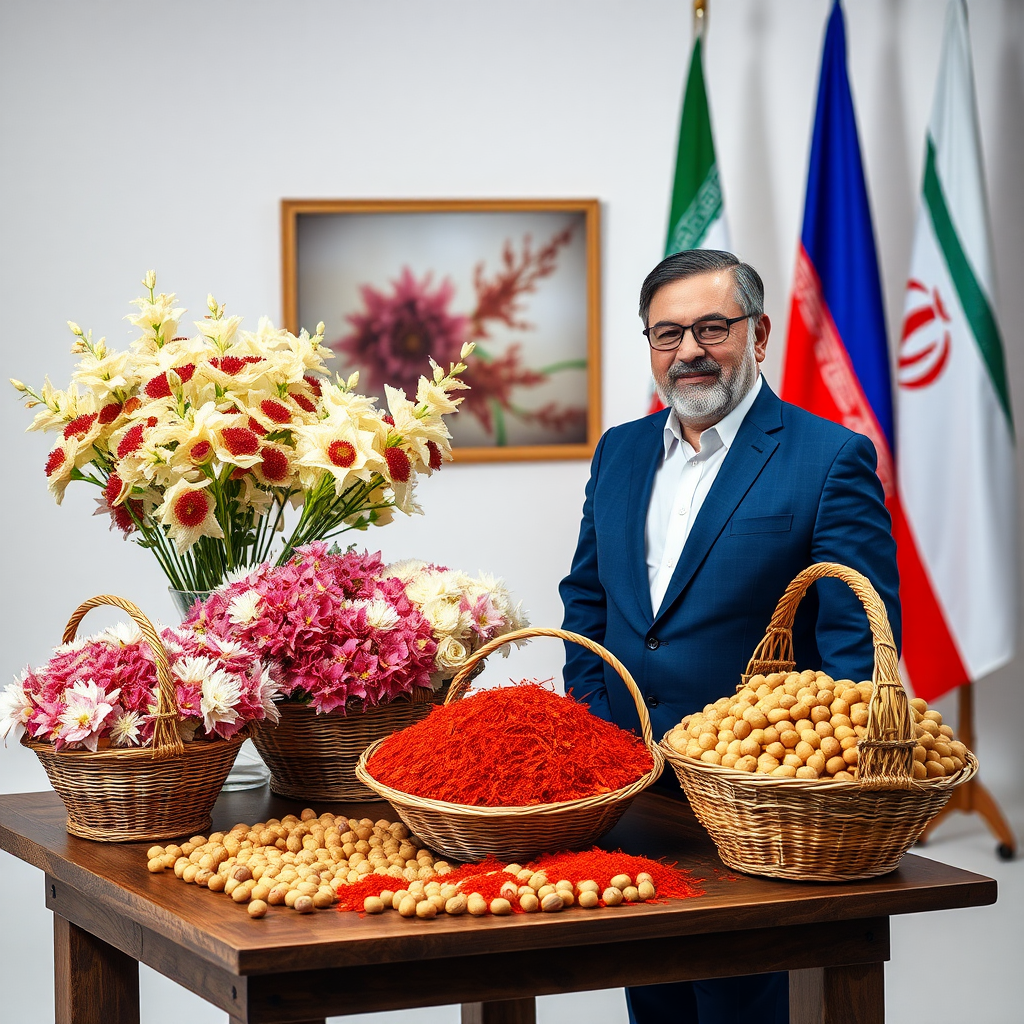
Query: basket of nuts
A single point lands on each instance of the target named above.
(804, 777)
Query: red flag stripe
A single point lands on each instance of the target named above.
(930, 654)
(818, 374)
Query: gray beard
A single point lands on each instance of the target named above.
(703, 405)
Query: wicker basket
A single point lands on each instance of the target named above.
(823, 830)
(464, 833)
(162, 791)
(313, 757)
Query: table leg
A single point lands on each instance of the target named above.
(502, 1011)
(94, 983)
(851, 994)
(240, 1020)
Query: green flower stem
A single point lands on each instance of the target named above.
(155, 541)
(500, 432)
(565, 364)
(345, 527)
(77, 474)
(224, 514)
(324, 514)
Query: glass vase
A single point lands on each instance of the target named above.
(249, 770)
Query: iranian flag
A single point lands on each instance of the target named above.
(955, 465)
(696, 218)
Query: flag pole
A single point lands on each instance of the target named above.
(700, 16)
(972, 797)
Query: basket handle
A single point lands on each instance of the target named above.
(166, 739)
(460, 682)
(886, 752)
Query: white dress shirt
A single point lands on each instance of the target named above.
(681, 483)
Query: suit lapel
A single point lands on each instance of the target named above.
(747, 456)
(647, 455)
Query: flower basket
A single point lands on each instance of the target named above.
(828, 830)
(144, 793)
(466, 833)
(313, 756)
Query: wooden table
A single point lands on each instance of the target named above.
(110, 914)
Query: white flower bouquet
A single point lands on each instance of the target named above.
(464, 611)
(199, 445)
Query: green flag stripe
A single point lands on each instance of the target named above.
(695, 156)
(692, 227)
(972, 297)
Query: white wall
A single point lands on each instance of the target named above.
(165, 135)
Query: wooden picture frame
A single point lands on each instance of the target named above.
(397, 280)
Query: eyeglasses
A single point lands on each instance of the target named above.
(712, 331)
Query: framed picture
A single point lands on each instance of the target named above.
(398, 281)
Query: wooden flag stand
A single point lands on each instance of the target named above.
(972, 797)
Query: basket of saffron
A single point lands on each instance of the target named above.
(513, 771)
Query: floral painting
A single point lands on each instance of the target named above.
(396, 283)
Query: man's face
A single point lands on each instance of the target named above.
(703, 385)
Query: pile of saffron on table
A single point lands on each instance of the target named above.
(510, 747)
(487, 877)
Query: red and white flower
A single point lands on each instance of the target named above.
(219, 435)
(188, 511)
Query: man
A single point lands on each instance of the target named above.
(695, 520)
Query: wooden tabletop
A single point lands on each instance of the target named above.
(740, 924)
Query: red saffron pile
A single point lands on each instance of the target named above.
(487, 876)
(510, 747)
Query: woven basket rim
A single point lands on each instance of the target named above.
(359, 705)
(483, 812)
(459, 687)
(755, 779)
(142, 753)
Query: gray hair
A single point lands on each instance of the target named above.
(690, 263)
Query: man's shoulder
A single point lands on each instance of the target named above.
(800, 420)
(774, 415)
(634, 431)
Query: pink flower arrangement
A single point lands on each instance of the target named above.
(333, 628)
(102, 691)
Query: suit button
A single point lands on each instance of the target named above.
(653, 643)
(652, 702)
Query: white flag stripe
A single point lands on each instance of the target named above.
(717, 236)
(954, 131)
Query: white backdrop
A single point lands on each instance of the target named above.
(164, 136)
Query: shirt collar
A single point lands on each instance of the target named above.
(726, 428)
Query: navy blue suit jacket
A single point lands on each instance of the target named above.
(793, 489)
